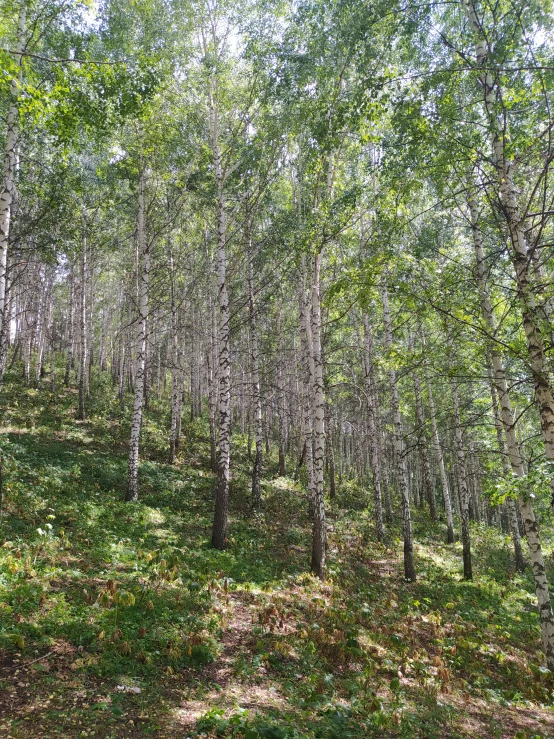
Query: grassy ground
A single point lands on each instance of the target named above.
(119, 620)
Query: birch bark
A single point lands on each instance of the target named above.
(440, 457)
(211, 357)
(282, 426)
(422, 443)
(462, 475)
(71, 328)
(374, 456)
(176, 369)
(219, 529)
(256, 392)
(510, 503)
(506, 413)
(532, 534)
(319, 534)
(499, 385)
(141, 329)
(519, 253)
(306, 359)
(400, 457)
(8, 174)
(81, 413)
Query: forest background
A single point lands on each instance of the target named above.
(277, 405)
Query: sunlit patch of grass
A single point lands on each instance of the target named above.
(152, 515)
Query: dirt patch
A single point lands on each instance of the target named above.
(224, 688)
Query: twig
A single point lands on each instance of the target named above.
(59, 61)
(39, 659)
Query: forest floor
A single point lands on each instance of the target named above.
(120, 620)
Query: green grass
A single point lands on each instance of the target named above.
(120, 620)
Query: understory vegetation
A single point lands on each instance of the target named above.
(276, 369)
(119, 621)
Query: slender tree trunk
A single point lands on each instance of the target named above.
(519, 252)
(144, 279)
(497, 375)
(81, 412)
(510, 503)
(281, 431)
(42, 333)
(306, 354)
(71, 328)
(5, 330)
(438, 452)
(331, 458)
(374, 455)
(534, 341)
(531, 527)
(7, 189)
(176, 370)
(422, 444)
(212, 390)
(256, 392)
(219, 529)
(319, 538)
(400, 457)
(462, 477)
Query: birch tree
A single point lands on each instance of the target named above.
(144, 264)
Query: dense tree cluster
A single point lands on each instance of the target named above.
(327, 225)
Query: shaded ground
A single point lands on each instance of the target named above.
(121, 621)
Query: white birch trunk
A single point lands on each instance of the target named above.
(281, 413)
(499, 385)
(319, 537)
(70, 328)
(81, 412)
(440, 457)
(518, 240)
(176, 370)
(9, 170)
(256, 392)
(462, 477)
(212, 389)
(422, 443)
(530, 523)
(306, 359)
(219, 529)
(374, 455)
(510, 503)
(400, 458)
(141, 328)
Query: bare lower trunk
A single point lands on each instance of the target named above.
(501, 386)
(510, 503)
(81, 413)
(136, 420)
(497, 375)
(422, 445)
(439, 455)
(374, 455)
(71, 329)
(219, 528)
(519, 252)
(177, 372)
(256, 392)
(212, 391)
(9, 165)
(306, 353)
(319, 533)
(462, 478)
(281, 431)
(400, 457)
